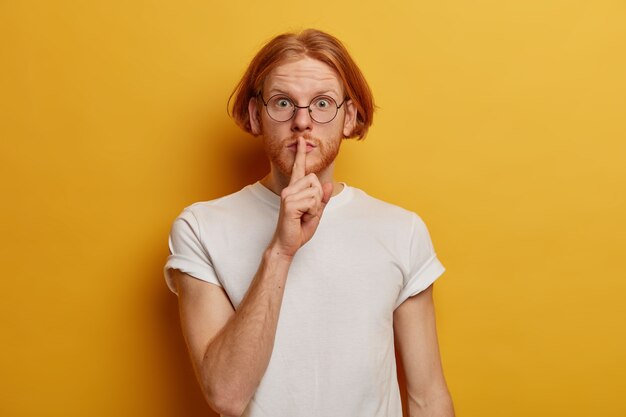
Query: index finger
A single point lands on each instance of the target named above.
(299, 164)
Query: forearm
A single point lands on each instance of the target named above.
(236, 359)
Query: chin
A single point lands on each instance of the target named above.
(285, 167)
(317, 168)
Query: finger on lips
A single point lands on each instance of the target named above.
(299, 164)
(304, 193)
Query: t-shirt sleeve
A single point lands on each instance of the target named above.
(423, 265)
(187, 253)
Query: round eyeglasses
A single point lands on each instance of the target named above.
(281, 108)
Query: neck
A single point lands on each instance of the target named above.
(276, 181)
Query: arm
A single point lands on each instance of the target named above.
(416, 341)
(231, 349)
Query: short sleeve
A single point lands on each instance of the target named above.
(187, 253)
(423, 266)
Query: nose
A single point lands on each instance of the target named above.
(301, 120)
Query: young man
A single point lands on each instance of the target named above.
(292, 289)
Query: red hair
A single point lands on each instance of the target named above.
(314, 44)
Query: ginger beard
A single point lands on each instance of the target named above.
(320, 158)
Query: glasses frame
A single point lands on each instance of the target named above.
(296, 107)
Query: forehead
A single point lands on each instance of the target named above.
(303, 76)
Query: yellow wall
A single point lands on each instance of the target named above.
(501, 123)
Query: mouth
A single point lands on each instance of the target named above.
(293, 146)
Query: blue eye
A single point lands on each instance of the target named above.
(283, 102)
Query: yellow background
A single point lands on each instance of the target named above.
(502, 123)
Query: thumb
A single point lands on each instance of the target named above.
(327, 188)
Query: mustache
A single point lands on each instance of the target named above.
(307, 136)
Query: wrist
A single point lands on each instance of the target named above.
(275, 266)
(276, 252)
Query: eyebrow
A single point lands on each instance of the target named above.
(274, 91)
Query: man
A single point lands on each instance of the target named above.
(291, 290)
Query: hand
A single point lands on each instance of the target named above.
(302, 204)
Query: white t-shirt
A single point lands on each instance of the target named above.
(334, 350)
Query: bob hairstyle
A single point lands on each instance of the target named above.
(310, 43)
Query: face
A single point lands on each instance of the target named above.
(302, 80)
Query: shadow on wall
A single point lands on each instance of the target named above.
(231, 159)
(240, 161)
(246, 160)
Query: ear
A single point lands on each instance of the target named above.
(349, 122)
(255, 116)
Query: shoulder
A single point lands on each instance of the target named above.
(379, 210)
(231, 203)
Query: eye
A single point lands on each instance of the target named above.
(281, 102)
(323, 103)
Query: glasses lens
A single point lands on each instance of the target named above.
(280, 108)
(323, 109)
